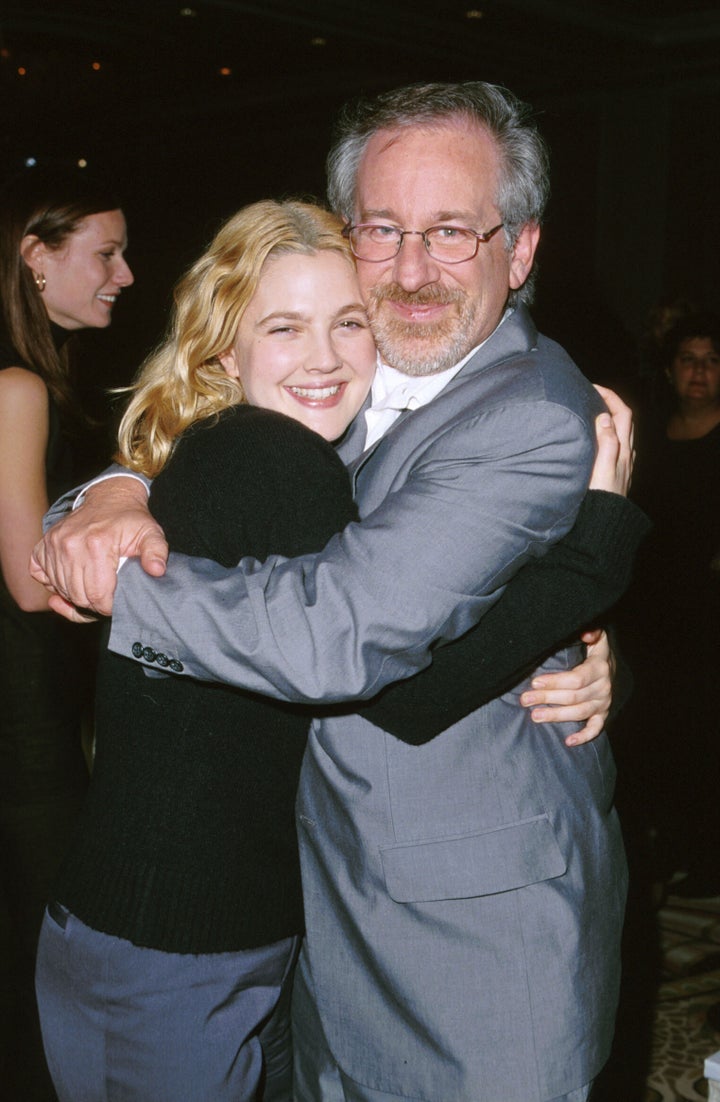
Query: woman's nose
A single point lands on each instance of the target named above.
(123, 276)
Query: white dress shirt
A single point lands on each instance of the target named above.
(393, 392)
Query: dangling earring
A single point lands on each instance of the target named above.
(40, 281)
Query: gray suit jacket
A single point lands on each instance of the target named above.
(464, 899)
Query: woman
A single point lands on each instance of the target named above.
(61, 270)
(167, 959)
(673, 609)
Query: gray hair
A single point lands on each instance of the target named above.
(523, 184)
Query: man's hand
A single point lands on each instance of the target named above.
(584, 693)
(616, 454)
(79, 557)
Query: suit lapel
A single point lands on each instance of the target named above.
(516, 335)
(351, 444)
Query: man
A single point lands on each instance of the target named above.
(464, 898)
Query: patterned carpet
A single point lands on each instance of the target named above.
(682, 1037)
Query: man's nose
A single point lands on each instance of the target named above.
(413, 266)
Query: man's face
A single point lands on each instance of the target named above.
(427, 315)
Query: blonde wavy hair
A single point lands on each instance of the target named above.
(183, 381)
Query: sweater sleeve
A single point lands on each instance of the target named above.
(254, 483)
(550, 599)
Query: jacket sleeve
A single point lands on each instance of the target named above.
(546, 602)
(67, 502)
(493, 490)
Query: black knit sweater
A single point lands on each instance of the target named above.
(187, 841)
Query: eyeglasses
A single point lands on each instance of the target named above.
(375, 242)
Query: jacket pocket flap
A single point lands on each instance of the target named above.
(497, 860)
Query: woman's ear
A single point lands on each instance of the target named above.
(33, 252)
(229, 362)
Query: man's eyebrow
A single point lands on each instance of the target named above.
(370, 212)
(465, 216)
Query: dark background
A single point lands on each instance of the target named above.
(627, 93)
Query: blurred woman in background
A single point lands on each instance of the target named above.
(62, 240)
(674, 606)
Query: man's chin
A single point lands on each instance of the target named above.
(418, 356)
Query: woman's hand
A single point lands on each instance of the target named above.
(616, 454)
(584, 693)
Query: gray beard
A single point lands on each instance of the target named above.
(416, 349)
(421, 363)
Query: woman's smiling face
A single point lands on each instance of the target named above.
(303, 346)
(85, 276)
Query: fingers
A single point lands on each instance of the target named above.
(593, 713)
(79, 567)
(585, 682)
(582, 695)
(153, 551)
(615, 437)
(598, 647)
(37, 571)
(590, 731)
(64, 608)
(80, 555)
(604, 474)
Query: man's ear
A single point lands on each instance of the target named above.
(229, 362)
(523, 254)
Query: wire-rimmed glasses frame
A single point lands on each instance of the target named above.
(365, 247)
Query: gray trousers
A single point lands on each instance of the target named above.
(319, 1079)
(126, 1024)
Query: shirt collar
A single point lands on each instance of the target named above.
(393, 389)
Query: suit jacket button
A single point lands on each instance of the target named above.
(176, 666)
(137, 650)
(162, 659)
(148, 654)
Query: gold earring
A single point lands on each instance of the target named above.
(40, 281)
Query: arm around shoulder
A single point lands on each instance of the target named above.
(549, 600)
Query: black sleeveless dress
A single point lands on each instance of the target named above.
(44, 683)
